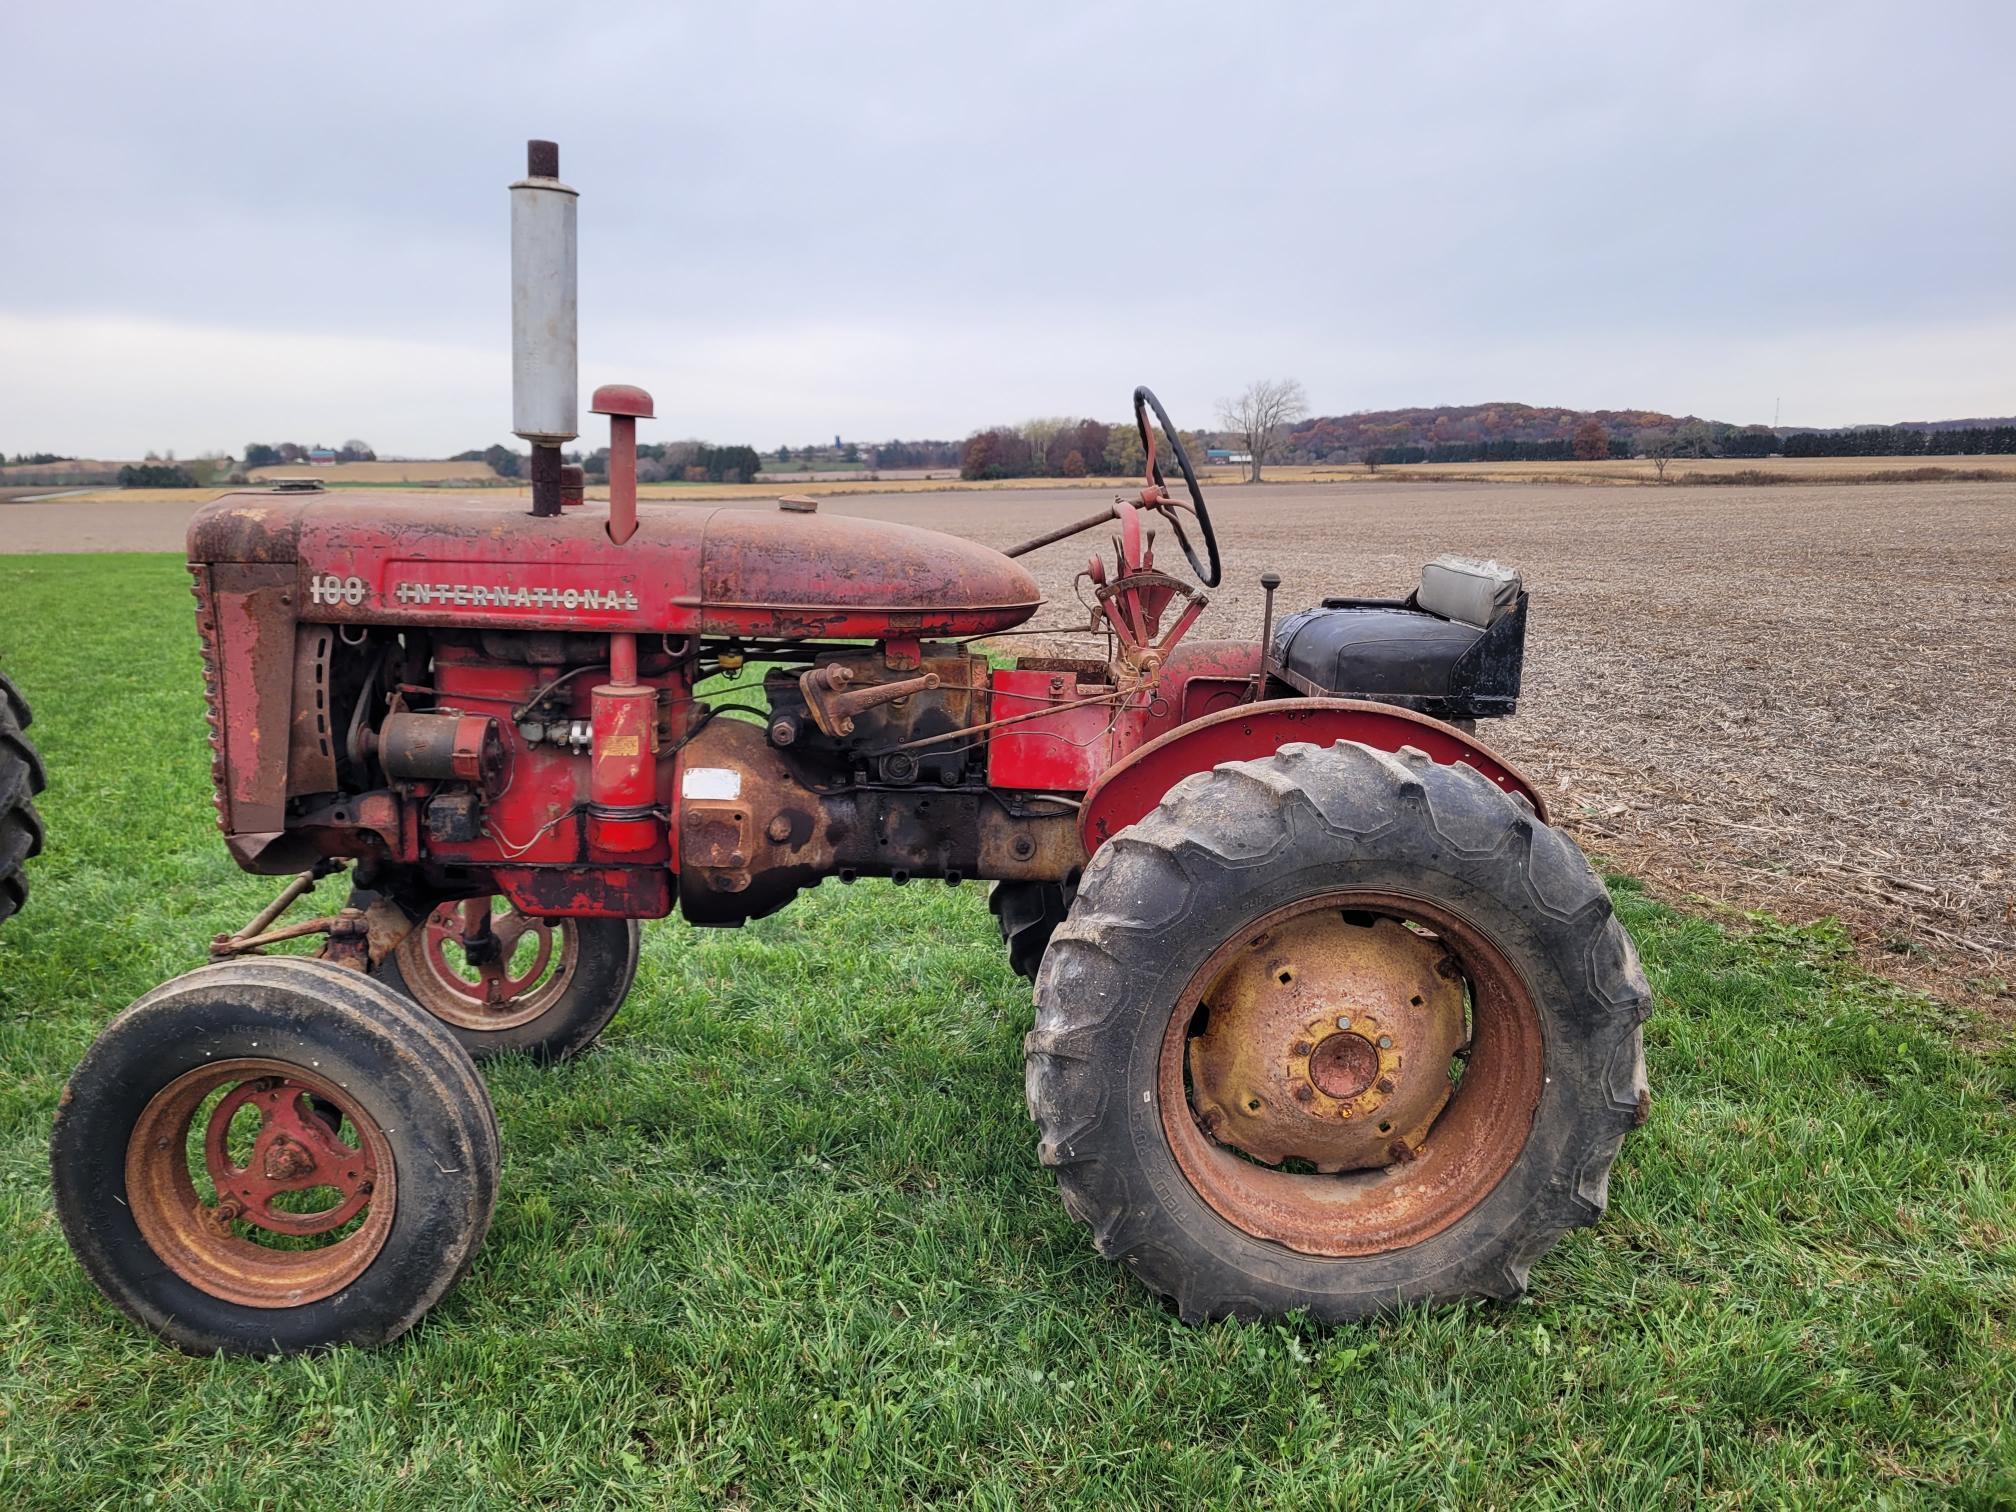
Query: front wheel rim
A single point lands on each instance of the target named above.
(535, 964)
(1418, 1157)
(300, 1217)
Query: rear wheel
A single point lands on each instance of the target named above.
(21, 778)
(274, 1155)
(1337, 1030)
(503, 981)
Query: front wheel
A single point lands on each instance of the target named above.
(1338, 1030)
(508, 981)
(272, 1155)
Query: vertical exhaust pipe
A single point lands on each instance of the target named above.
(545, 340)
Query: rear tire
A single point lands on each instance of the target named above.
(21, 778)
(213, 1237)
(1552, 993)
(1027, 914)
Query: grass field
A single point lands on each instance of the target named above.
(784, 1239)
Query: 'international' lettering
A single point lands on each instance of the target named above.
(485, 596)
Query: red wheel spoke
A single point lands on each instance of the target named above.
(294, 1150)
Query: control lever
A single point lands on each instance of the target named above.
(834, 705)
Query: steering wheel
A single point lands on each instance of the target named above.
(1155, 494)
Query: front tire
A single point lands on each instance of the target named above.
(549, 988)
(273, 1155)
(1339, 1030)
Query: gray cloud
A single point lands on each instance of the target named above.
(258, 220)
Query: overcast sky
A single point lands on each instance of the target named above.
(231, 222)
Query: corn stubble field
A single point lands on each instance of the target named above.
(783, 1237)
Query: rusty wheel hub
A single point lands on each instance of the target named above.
(1351, 1074)
(1329, 1043)
(275, 1226)
(480, 966)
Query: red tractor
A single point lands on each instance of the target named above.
(1327, 1016)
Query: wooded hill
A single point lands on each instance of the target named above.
(1472, 430)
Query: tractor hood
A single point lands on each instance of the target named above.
(483, 561)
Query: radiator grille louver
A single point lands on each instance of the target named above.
(213, 688)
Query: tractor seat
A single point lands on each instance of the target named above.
(1453, 649)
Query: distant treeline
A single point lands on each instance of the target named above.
(282, 453)
(1904, 441)
(156, 475)
(681, 462)
(1501, 451)
(915, 454)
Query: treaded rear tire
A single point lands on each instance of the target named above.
(1027, 914)
(1224, 849)
(21, 778)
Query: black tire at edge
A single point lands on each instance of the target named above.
(21, 778)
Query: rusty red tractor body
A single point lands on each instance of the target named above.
(1327, 1016)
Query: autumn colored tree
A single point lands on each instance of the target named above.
(1592, 442)
(1074, 464)
(1124, 456)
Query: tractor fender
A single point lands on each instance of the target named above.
(1132, 787)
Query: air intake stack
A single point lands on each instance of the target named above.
(545, 343)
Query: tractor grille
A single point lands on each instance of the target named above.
(213, 688)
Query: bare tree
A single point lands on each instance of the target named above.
(1659, 446)
(1261, 415)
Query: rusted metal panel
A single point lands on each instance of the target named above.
(1200, 678)
(815, 576)
(560, 892)
(252, 621)
(1134, 786)
(1061, 751)
(417, 559)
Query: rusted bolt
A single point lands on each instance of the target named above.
(783, 732)
(1400, 1152)
(1056, 685)
(1300, 1047)
(1448, 969)
(1305, 1093)
(1385, 1042)
(780, 829)
(1385, 1084)
(1023, 847)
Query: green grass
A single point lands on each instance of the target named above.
(784, 1238)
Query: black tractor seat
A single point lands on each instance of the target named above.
(1453, 648)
